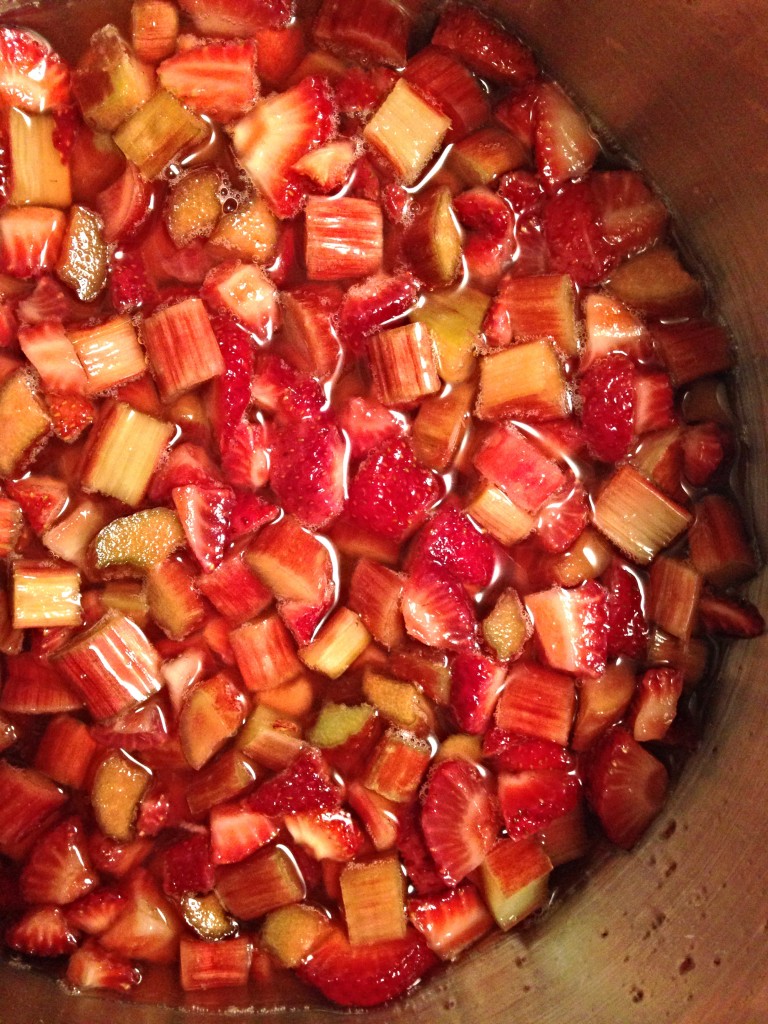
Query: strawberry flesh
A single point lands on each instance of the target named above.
(607, 393)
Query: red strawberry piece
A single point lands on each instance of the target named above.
(271, 379)
(187, 866)
(249, 513)
(654, 402)
(575, 242)
(529, 800)
(70, 415)
(141, 728)
(367, 975)
(523, 191)
(30, 240)
(11, 899)
(303, 399)
(94, 967)
(125, 205)
(437, 610)
(626, 786)
(627, 627)
(32, 76)
(517, 753)
(562, 439)
(215, 79)
(451, 87)
(515, 112)
(368, 306)
(305, 785)
(484, 45)
(116, 858)
(565, 147)
(367, 423)
(237, 17)
(130, 287)
(66, 124)
(42, 498)
(244, 457)
(414, 853)
(563, 518)
(58, 869)
(476, 682)
(365, 181)
(326, 835)
(607, 393)
(458, 818)
(397, 203)
(570, 627)
(304, 618)
(205, 513)
(187, 464)
(487, 258)
(481, 210)
(451, 540)
(630, 216)
(237, 831)
(232, 394)
(451, 921)
(727, 616)
(279, 131)
(50, 301)
(359, 92)
(705, 447)
(391, 493)
(280, 51)
(96, 911)
(164, 804)
(28, 804)
(307, 471)
(42, 931)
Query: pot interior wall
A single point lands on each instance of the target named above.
(675, 931)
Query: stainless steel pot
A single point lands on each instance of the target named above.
(677, 930)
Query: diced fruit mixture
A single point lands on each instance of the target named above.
(365, 524)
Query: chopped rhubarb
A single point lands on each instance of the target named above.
(40, 176)
(109, 353)
(344, 238)
(406, 130)
(525, 381)
(157, 132)
(182, 348)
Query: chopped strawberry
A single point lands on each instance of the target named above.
(479, 209)
(232, 390)
(368, 306)
(484, 45)
(515, 112)
(237, 831)
(458, 818)
(96, 911)
(705, 447)
(517, 753)
(367, 975)
(326, 835)
(412, 847)
(390, 494)
(244, 459)
(367, 423)
(277, 132)
(531, 799)
(565, 147)
(125, 205)
(570, 627)
(307, 471)
(42, 931)
(30, 240)
(451, 921)
(205, 516)
(237, 17)
(727, 616)
(249, 513)
(305, 785)
(58, 869)
(32, 76)
(94, 967)
(563, 518)
(437, 610)
(359, 92)
(42, 498)
(654, 402)
(130, 287)
(187, 464)
(607, 393)
(51, 301)
(476, 682)
(451, 540)
(216, 79)
(626, 786)
(70, 415)
(187, 866)
(627, 627)
(575, 242)
(630, 216)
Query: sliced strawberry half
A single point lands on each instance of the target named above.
(607, 393)
(368, 306)
(451, 540)
(187, 866)
(32, 76)
(563, 518)
(573, 236)
(565, 147)
(367, 423)
(631, 216)
(414, 853)
(42, 498)
(94, 967)
(59, 870)
(367, 975)
(627, 626)
(452, 921)
(484, 45)
(570, 627)
(476, 682)
(232, 390)
(71, 415)
(216, 79)
(279, 131)
(391, 493)
(519, 753)
(727, 616)
(205, 516)
(458, 818)
(307, 471)
(437, 610)
(42, 931)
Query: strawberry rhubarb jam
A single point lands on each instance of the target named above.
(365, 513)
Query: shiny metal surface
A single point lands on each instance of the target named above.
(676, 931)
